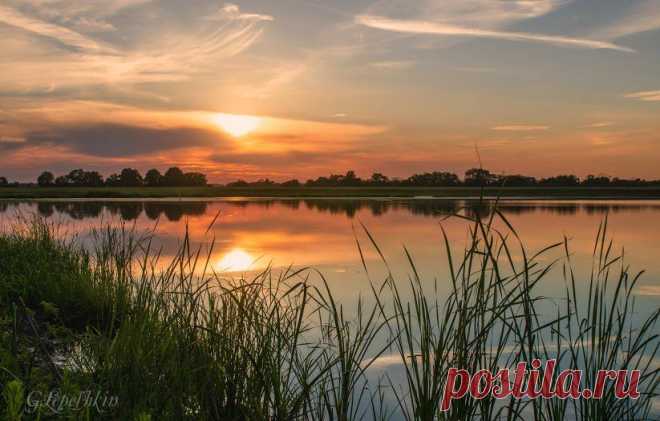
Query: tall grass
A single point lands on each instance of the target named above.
(181, 341)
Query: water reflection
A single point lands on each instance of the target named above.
(237, 260)
(128, 211)
(176, 210)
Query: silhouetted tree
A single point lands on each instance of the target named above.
(3, 182)
(113, 180)
(61, 181)
(561, 180)
(194, 179)
(264, 182)
(479, 177)
(46, 179)
(350, 179)
(153, 178)
(174, 177)
(434, 179)
(378, 179)
(291, 183)
(130, 177)
(593, 180)
(517, 180)
(76, 177)
(92, 179)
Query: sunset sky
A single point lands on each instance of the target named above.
(302, 88)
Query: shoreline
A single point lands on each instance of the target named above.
(332, 193)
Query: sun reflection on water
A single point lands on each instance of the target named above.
(235, 261)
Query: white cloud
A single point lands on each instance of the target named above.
(520, 128)
(645, 95)
(434, 28)
(483, 14)
(231, 11)
(395, 65)
(64, 35)
(598, 125)
(84, 56)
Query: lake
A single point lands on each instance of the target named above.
(250, 234)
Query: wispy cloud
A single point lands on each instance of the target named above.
(59, 33)
(645, 95)
(82, 56)
(598, 125)
(402, 64)
(233, 12)
(520, 128)
(433, 28)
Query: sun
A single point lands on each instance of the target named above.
(237, 125)
(235, 261)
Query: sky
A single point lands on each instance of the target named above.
(302, 88)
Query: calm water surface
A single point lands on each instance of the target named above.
(248, 235)
(322, 233)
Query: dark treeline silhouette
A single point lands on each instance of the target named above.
(474, 177)
(128, 177)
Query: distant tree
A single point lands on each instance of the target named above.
(561, 180)
(130, 177)
(291, 183)
(350, 179)
(62, 180)
(320, 181)
(76, 177)
(517, 180)
(238, 183)
(3, 182)
(264, 182)
(378, 179)
(194, 179)
(174, 177)
(92, 179)
(593, 180)
(479, 177)
(113, 180)
(46, 179)
(153, 178)
(435, 178)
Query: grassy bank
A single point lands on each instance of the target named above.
(187, 343)
(215, 191)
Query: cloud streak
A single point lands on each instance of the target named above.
(420, 27)
(645, 96)
(85, 62)
(233, 12)
(59, 33)
(520, 128)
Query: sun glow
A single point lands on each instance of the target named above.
(235, 261)
(237, 125)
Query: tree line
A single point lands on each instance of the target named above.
(128, 177)
(474, 177)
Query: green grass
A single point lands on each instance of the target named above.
(185, 342)
(214, 191)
